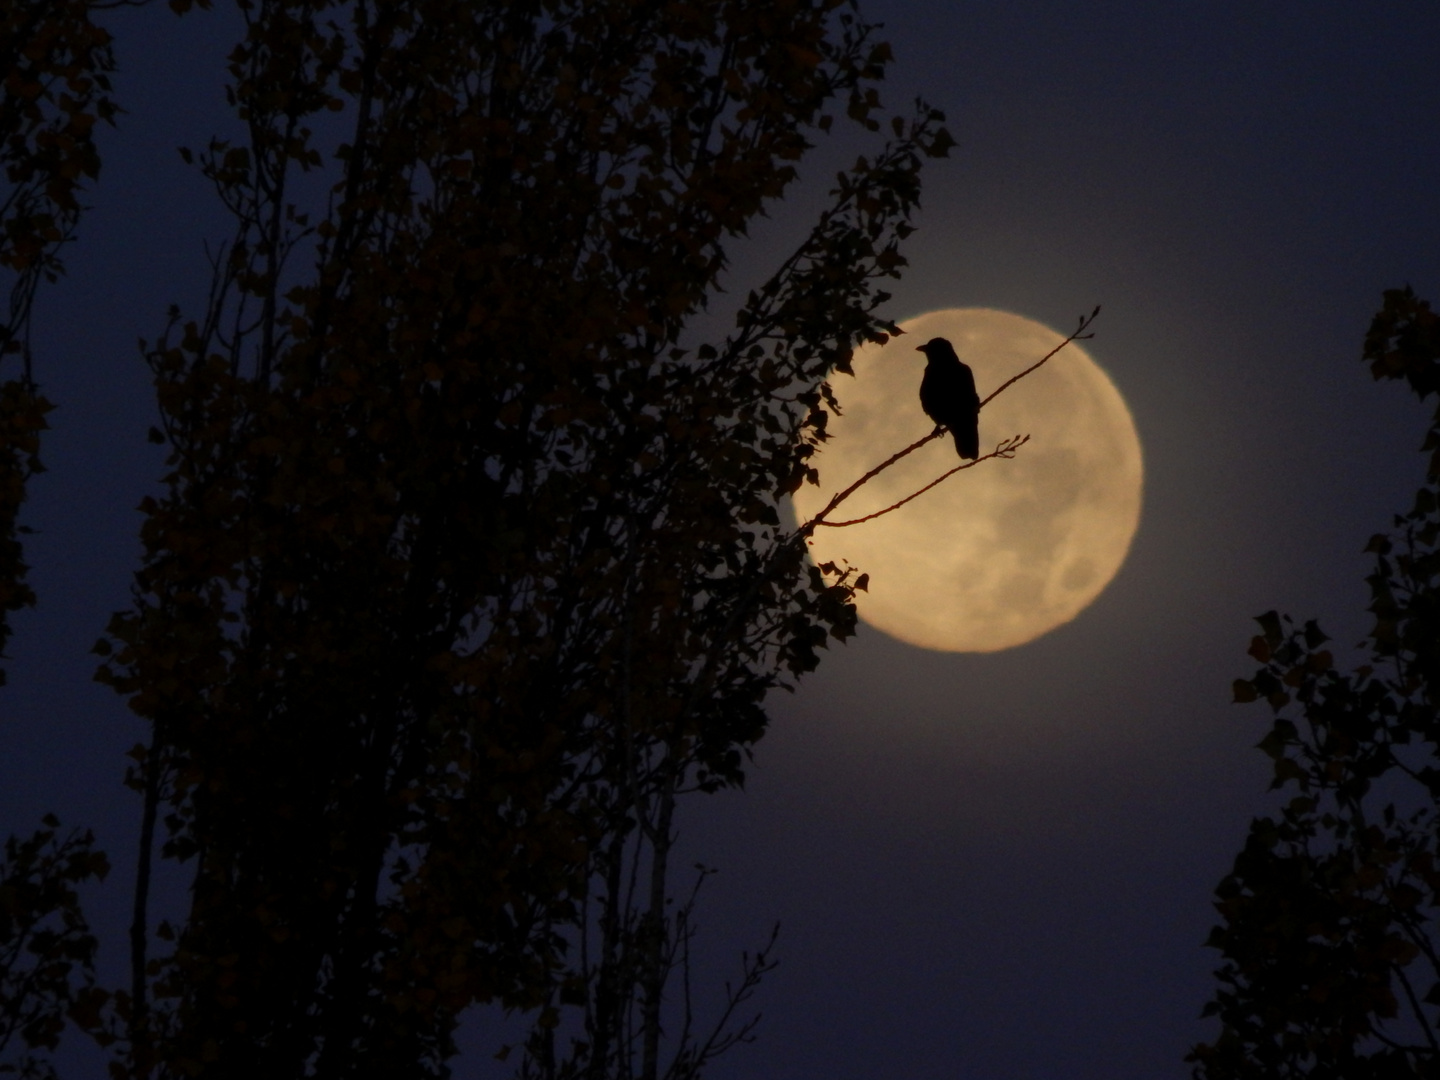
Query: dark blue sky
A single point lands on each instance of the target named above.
(992, 867)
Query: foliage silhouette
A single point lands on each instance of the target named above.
(47, 951)
(1328, 932)
(57, 64)
(56, 93)
(467, 564)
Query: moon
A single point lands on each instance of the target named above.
(1002, 552)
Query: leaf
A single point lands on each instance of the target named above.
(1271, 628)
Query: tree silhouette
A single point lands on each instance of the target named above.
(47, 951)
(1329, 935)
(468, 563)
(56, 63)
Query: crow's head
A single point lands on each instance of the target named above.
(938, 349)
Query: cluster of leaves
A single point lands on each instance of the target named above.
(47, 952)
(56, 63)
(1329, 917)
(468, 562)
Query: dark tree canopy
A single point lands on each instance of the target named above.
(467, 562)
(55, 93)
(56, 65)
(1329, 926)
(47, 950)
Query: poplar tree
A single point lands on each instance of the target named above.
(467, 563)
(56, 63)
(1330, 918)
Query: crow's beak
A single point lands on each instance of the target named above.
(919, 348)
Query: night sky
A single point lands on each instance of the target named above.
(992, 867)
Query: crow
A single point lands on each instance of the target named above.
(947, 394)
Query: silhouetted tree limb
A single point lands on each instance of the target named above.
(57, 66)
(47, 950)
(1004, 449)
(1078, 335)
(57, 63)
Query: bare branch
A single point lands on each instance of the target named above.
(1078, 335)
(1005, 449)
(819, 519)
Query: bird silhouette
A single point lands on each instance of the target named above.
(947, 394)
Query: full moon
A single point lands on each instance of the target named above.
(1002, 552)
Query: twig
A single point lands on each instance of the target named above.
(1078, 335)
(1005, 449)
(836, 500)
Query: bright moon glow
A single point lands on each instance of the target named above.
(1003, 552)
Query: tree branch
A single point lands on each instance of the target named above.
(1078, 335)
(1005, 449)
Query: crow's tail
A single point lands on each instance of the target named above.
(967, 444)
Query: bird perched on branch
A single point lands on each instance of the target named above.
(947, 394)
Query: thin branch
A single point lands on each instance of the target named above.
(819, 519)
(1078, 335)
(153, 764)
(1005, 449)
(1416, 1007)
